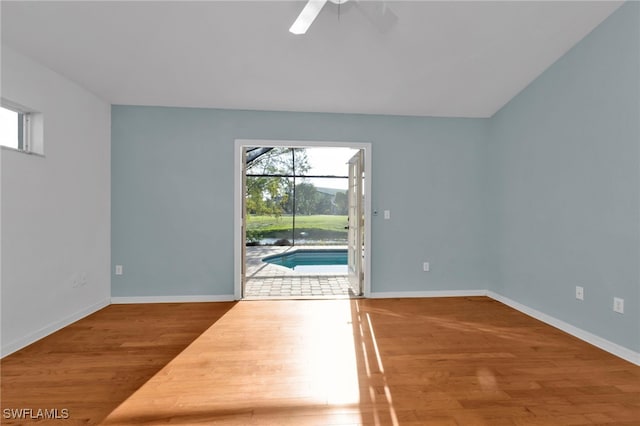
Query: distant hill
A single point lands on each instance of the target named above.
(330, 191)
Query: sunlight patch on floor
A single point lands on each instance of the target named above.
(261, 360)
(330, 351)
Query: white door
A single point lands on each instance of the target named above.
(355, 246)
(243, 232)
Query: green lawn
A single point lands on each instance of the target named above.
(314, 226)
(320, 221)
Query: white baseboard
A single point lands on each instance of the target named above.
(173, 299)
(613, 348)
(51, 328)
(436, 293)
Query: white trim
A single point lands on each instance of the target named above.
(368, 216)
(18, 344)
(301, 144)
(597, 341)
(606, 345)
(612, 348)
(434, 293)
(237, 200)
(237, 220)
(172, 299)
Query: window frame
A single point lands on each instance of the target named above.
(27, 120)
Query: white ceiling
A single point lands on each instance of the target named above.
(460, 59)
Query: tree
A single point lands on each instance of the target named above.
(341, 202)
(306, 198)
(324, 203)
(280, 161)
(267, 194)
(263, 196)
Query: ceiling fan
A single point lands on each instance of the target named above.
(377, 12)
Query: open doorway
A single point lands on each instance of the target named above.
(300, 219)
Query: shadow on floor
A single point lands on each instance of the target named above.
(91, 366)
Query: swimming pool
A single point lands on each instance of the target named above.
(312, 261)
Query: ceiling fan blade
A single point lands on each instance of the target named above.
(378, 13)
(307, 16)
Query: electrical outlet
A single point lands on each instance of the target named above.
(425, 266)
(579, 293)
(118, 269)
(618, 305)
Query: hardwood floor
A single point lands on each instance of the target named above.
(448, 361)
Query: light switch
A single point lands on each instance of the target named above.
(387, 214)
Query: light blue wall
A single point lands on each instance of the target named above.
(540, 198)
(564, 160)
(172, 186)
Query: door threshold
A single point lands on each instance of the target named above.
(335, 297)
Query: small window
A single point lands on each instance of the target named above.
(21, 128)
(14, 129)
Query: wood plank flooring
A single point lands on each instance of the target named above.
(446, 361)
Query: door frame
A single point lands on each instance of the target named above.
(238, 196)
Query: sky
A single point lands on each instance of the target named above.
(330, 161)
(8, 128)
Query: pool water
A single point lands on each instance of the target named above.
(312, 261)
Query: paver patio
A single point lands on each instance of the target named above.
(265, 280)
